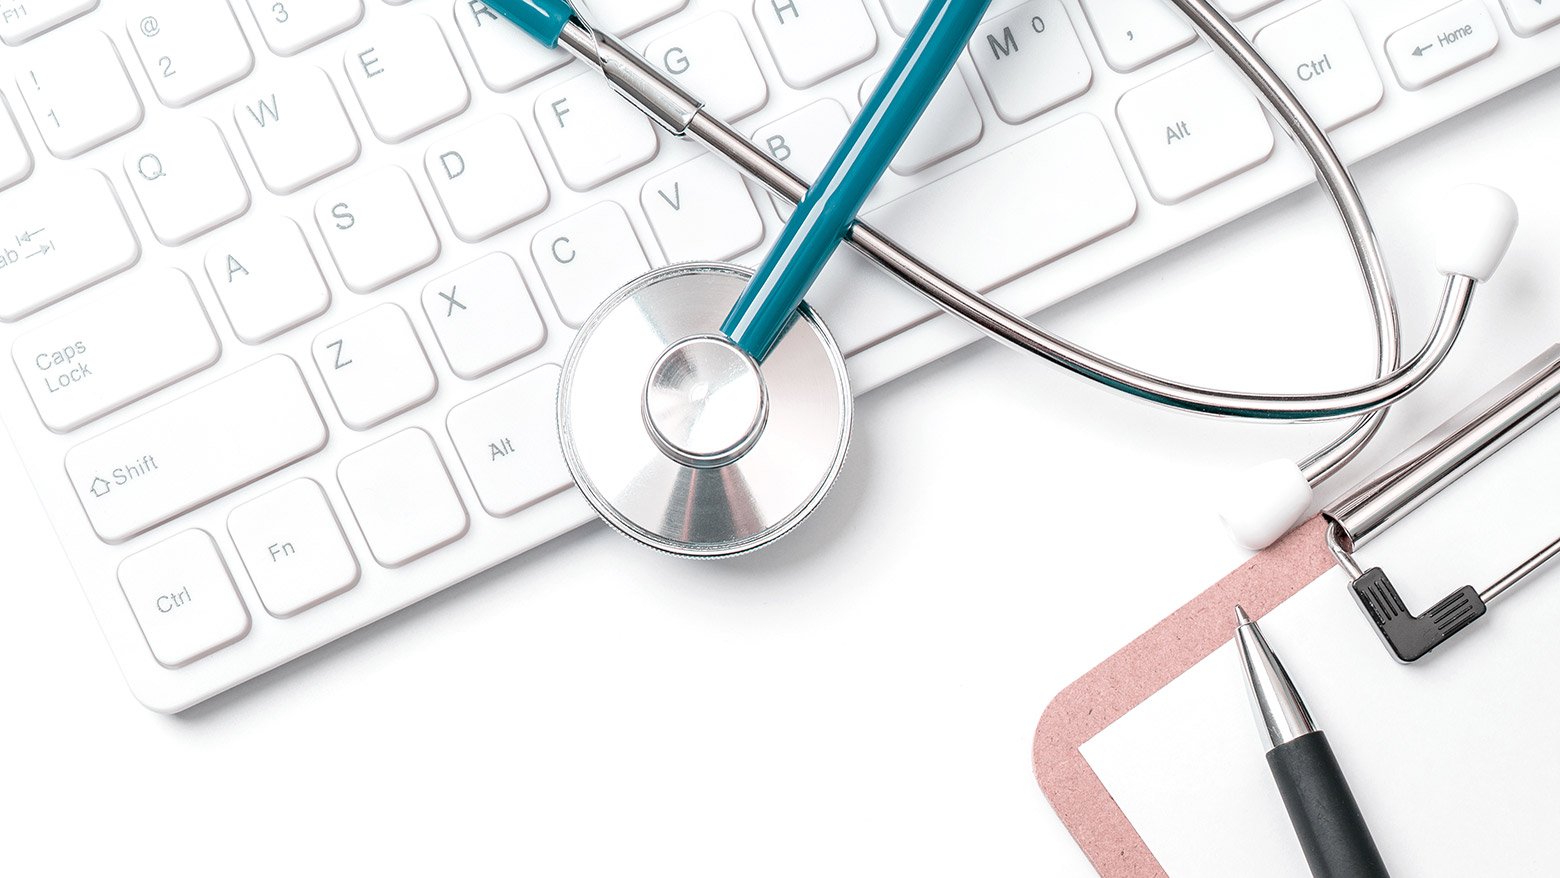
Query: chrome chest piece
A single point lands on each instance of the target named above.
(681, 440)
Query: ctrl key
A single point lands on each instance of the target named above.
(183, 598)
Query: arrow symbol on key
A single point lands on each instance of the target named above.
(1420, 51)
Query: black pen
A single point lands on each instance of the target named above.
(1326, 818)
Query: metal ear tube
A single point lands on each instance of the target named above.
(1486, 426)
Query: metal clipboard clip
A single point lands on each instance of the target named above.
(1454, 449)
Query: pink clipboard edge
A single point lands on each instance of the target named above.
(1138, 670)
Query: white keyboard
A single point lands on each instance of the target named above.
(284, 285)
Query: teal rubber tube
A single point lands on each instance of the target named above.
(765, 309)
(542, 20)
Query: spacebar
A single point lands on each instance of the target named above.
(196, 448)
(1017, 209)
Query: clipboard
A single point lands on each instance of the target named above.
(1155, 666)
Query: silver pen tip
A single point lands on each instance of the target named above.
(1240, 616)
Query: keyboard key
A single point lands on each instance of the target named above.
(405, 77)
(483, 316)
(1238, 9)
(79, 94)
(950, 125)
(1439, 45)
(594, 135)
(804, 141)
(293, 547)
(195, 449)
(374, 367)
(140, 338)
(1031, 60)
(627, 16)
(702, 211)
(903, 13)
(587, 258)
(1320, 53)
(189, 48)
(266, 279)
(505, 56)
(290, 26)
(20, 22)
(1529, 17)
(58, 237)
(296, 128)
(711, 58)
(997, 219)
(16, 161)
(1134, 32)
(507, 439)
(1193, 127)
(487, 178)
(183, 598)
(185, 180)
(813, 40)
(376, 229)
(402, 497)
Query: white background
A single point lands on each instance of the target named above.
(860, 698)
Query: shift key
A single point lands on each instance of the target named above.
(139, 337)
(196, 448)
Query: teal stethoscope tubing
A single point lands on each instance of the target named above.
(764, 310)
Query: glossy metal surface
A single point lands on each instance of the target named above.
(1281, 714)
(705, 511)
(705, 402)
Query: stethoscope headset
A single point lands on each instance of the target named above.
(704, 408)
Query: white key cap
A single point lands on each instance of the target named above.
(195, 449)
(138, 338)
(804, 141)
(586, 258)
(1439, 45)
(79, 94)
(1238, 9)
(60, 236)
(711, 58)
(997, 219)
(1320, 53)
(16, 161)
(903, 13)
(950, 125)
(183, 598)
(1193, 127)
(594, 135)
(1135, 32)
(483, 316)
(505, 56)
(1529, 17)
(402, 498)
(189, 48)
(292, 545)
(1030, 60)
(20, 22)
(290, 26)
(507, 439)
(405, 77)
(374, 367)
(295, 128)
(814, 39)
(627, 16)
(702, 211)
(267, 279)
(377, 229)
(185, 180)
(487, 178)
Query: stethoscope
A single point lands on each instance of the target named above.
(704, 409)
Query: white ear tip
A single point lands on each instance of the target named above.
(1480, 223)
(1265, 503)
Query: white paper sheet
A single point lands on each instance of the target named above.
(1455, 760)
